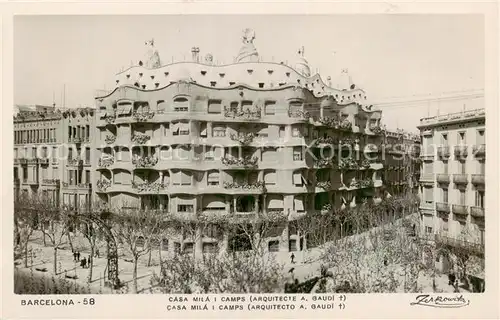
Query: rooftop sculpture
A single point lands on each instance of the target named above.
(248, 52)
(151, 59)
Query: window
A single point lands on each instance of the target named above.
(87, 176)
(215, 106)
(181, 105)
(70, 131)
(428, 166)
(269, 154)
(185, 178)
(25, 174)
(213, 178)
(87, 155)
(270, 108)
(297, 154)
(219, 131)
(209, 247)
(282, 131)
(445, 167)
(296, 132)
(462, 197)
(270, 178)
(482, 167)
(479, 198)
(203, 129)
(33, 152)
(428, 230)
(445, 225)
(445, 195)
(298, 204)
(185, 208)
(297, 179)
(428, 196)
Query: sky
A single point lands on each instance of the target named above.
(386, 55)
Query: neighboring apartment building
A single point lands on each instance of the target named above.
(37, 138)
(77, 127)
(453, 182)
(194, 138)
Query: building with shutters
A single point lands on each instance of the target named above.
(246, 139)
(77, 130)
(37, 139)
(453, 185)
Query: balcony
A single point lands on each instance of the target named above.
(51, 182)
(479, 150)
(243, 138)
(477, 179)
(248, 114)
(444, 240)
(143, 116)
(326, 185)
(105, 161)
(110, 118)
(443, 207)
(460, 179)
(460, 151)
(240, 162)
(44, 161)
(376, 129)
(148, 187)
(443, 178)
(76, 140)
(246, 188)
(140, 138)
(361, 184)
(477, 212)
(443, 152)
(322, 163)
(427, 205)
(33, 182)
(33, 161)
(459, 209)
(299, 114)
(427, 178)
(110, 139)
(348, 164)
(427, 157)
(145, 162)
(75, 162)
(103, 184)
(325, 141)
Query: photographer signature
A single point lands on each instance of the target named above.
(440, 301)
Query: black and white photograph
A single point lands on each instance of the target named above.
(209, 154)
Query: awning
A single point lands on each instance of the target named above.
(275, 204)
(270, 177)
(299, 204)
(203, 132)
(297, 179)
(124, 108)
(213, 177)
(183, 126)
(216, 204)
(353, 202)
(175, 127)
(214, 107)
(103, 114)
(304, 180)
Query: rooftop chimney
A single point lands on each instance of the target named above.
(195, 51)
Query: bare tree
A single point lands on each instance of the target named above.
(54, 222)
(135, 226)
(25, 222)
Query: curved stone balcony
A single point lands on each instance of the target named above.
(245, 188)
(460, 179)
(477, 179)
(477, 212)
(460, 209)
(443, 178)
(443, 207)
(240, 162)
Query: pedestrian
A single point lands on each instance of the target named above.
(78, 255)
(292, 258)
(88, 261)
(97, 253)
(84, 263)
(74, 256)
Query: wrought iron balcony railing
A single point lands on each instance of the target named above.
(142, 187)
(110, 139)
(243, 138)
(259, 185)
(140, 138)
(143, 116)
(103, 184)
(247, 161)
(145, 162)
(248, 114)
(106, 162)
(299, 114)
